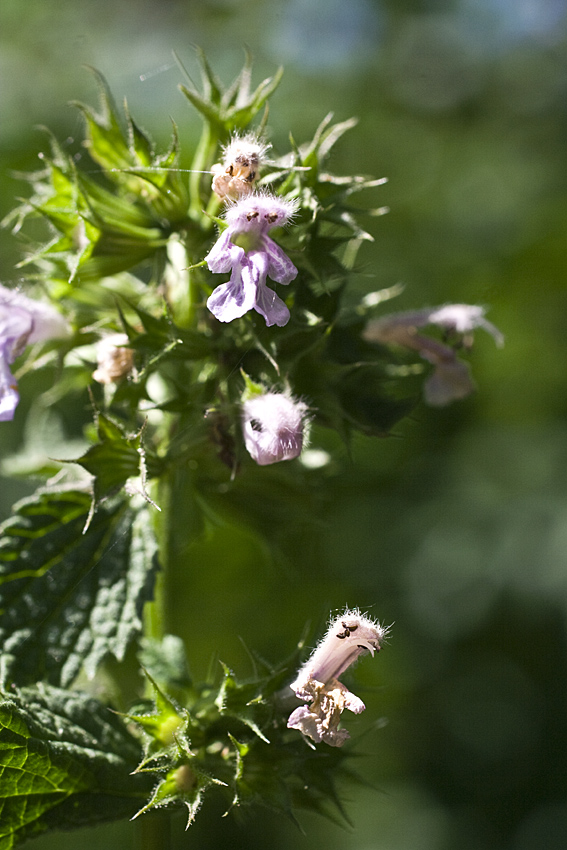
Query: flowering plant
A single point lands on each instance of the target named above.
(189, 397)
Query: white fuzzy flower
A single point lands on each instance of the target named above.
(349, 636)
(274, 427)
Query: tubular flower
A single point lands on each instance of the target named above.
(450, 379)
(246, 250)
(274, 427)
(22, 322)
(114, 360)
(349, 636)
(235, 177)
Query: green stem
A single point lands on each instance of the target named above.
(155, 615)
(201, 161)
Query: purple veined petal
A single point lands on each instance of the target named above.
(9, 396)
(233, 299)
(16, 325)
(268, 304)
(48, 323)
(271, 307)
(224, 255)
(26, 320)
(280, 267)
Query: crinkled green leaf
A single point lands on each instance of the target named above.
(68, 598)
(65, 760)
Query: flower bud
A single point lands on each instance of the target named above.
(236, 176)
(114, 360)
(274, 427)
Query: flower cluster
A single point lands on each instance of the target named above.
(450, 379)
(245, 249)
(349, 636)
(22, 322)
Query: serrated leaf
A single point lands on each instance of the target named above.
(107, 144)
(69, 599)
(113, 460)
(65, 760)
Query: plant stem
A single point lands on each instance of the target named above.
(205, 150)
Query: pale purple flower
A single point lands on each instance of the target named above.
(22, 322)
(450, 379)
(274, 426)
(246, 250)
(349, 636)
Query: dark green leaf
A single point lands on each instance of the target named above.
(65, 761)
(69, 598)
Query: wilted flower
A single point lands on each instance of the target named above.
(22, 322)
(349, 636)
(451, 377)
(246, 249)
(114, 360)
(274, 427)
(235, 177)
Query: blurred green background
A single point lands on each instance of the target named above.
(456, 527)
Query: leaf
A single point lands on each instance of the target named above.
(234, 108)
(113, 460)
(65, 761)
(69, 599)
(106, 140)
